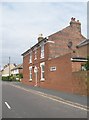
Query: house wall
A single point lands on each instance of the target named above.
(5, 71)
(76, 66)
(62, 38)
(35, 62)
(75, 82)
(83, 51)
(60, 79)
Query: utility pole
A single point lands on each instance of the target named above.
(9, 68)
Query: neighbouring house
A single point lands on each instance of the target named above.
(18, 69)
(6, 71)
(17, 72)
(49, 62)
(82, 53)
(83, 48)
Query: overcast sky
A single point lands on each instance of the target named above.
(22, 22)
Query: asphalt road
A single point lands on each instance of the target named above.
(19, 103)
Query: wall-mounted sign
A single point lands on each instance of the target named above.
(53, 68)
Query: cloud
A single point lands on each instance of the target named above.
(22, 22)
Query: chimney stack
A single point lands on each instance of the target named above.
(40, 37)
(75, 24)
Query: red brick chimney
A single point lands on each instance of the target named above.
(40, 37)
(75, 24)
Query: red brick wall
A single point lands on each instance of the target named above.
(58, 80)
(25, 68)
(83, 51)
(61, 39)
(80, 82)
(34, 63)
(76, 66)
(61, 78)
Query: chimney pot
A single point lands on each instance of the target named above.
(71, 18)
(77, 20)
(40, 37)
(74, 19)
(75, 24)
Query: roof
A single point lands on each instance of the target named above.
(63, 31)
(20, 66)
(84, 42)
(36, 45)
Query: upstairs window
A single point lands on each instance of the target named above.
(30, 59)
(42, 51)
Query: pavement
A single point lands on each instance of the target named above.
(76, 99)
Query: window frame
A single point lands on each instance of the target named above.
(30, 57)
(42, 51)
(42, 71)
(30, 73)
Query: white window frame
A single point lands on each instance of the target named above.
(42, 51)
(30, 73)
(30, 59)
(42, 72)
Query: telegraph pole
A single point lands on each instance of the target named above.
(9, 68)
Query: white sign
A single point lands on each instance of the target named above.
(53, 68)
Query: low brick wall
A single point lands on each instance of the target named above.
(80, 81)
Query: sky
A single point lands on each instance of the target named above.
(22, 22)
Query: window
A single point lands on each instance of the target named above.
(35, 54)
(30, 60)
(42, 51)
(30, 73)
(42, 71)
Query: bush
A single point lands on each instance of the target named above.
(86, 65)
(17, 77)
(6, 78)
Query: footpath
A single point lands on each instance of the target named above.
(74, 99)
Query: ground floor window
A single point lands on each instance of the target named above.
(42, 65)
(30, 73)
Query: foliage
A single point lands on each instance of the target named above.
(17, 77)
(86, 65)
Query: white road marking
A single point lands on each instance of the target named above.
(8, 105)
(79, 106)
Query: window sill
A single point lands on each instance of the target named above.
(42, 58)
(30, 80)
(42, 80)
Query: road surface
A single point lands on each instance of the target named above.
(21, 103)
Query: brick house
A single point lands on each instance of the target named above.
(48, 63)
